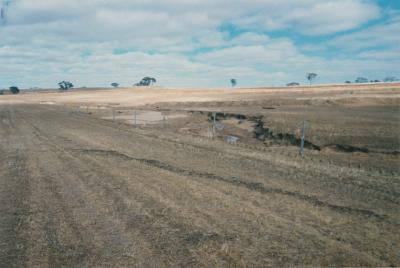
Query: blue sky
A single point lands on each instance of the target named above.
(198, 43)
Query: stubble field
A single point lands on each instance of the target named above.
(83, 184)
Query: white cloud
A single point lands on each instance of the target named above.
(330, 17)
(383, 34)
(312, 17)
(274, 52)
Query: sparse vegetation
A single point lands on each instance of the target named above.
(14, 90)
(191, 201)
(292, 84)
(65, 85)
(389, 79)
(361, 80)
(146, 81)
(311, 77)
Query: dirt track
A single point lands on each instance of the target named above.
(80, 191)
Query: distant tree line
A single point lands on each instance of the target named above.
(362, 80)
(390, 79)
(359, 80)
(148, 81)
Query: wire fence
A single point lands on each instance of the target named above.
(215, 129)
(132, 117)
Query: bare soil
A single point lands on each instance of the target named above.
(78, 189)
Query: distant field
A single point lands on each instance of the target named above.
(131, 177)
(151, 95)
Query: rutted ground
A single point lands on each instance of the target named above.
(79, 191)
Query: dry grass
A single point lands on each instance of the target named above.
(141, 96)
(102, 193)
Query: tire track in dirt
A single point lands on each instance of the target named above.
(162, 242)
(254, 186)
(389, 194)
(14, 196)
(75, 175)
(88, 171)
(62, 210)
(14, 209)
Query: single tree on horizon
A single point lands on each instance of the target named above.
(65, 85)
(311, 76)
(14, 90)
(293, 84)
(146, 81)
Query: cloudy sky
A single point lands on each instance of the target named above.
(197, 43)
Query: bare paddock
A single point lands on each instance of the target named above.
(79, 189)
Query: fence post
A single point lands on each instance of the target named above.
(303, 135)
(135, 118)
(164, 121)
(113, 114)
(213, 129)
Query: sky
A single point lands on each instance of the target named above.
(197, 43)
